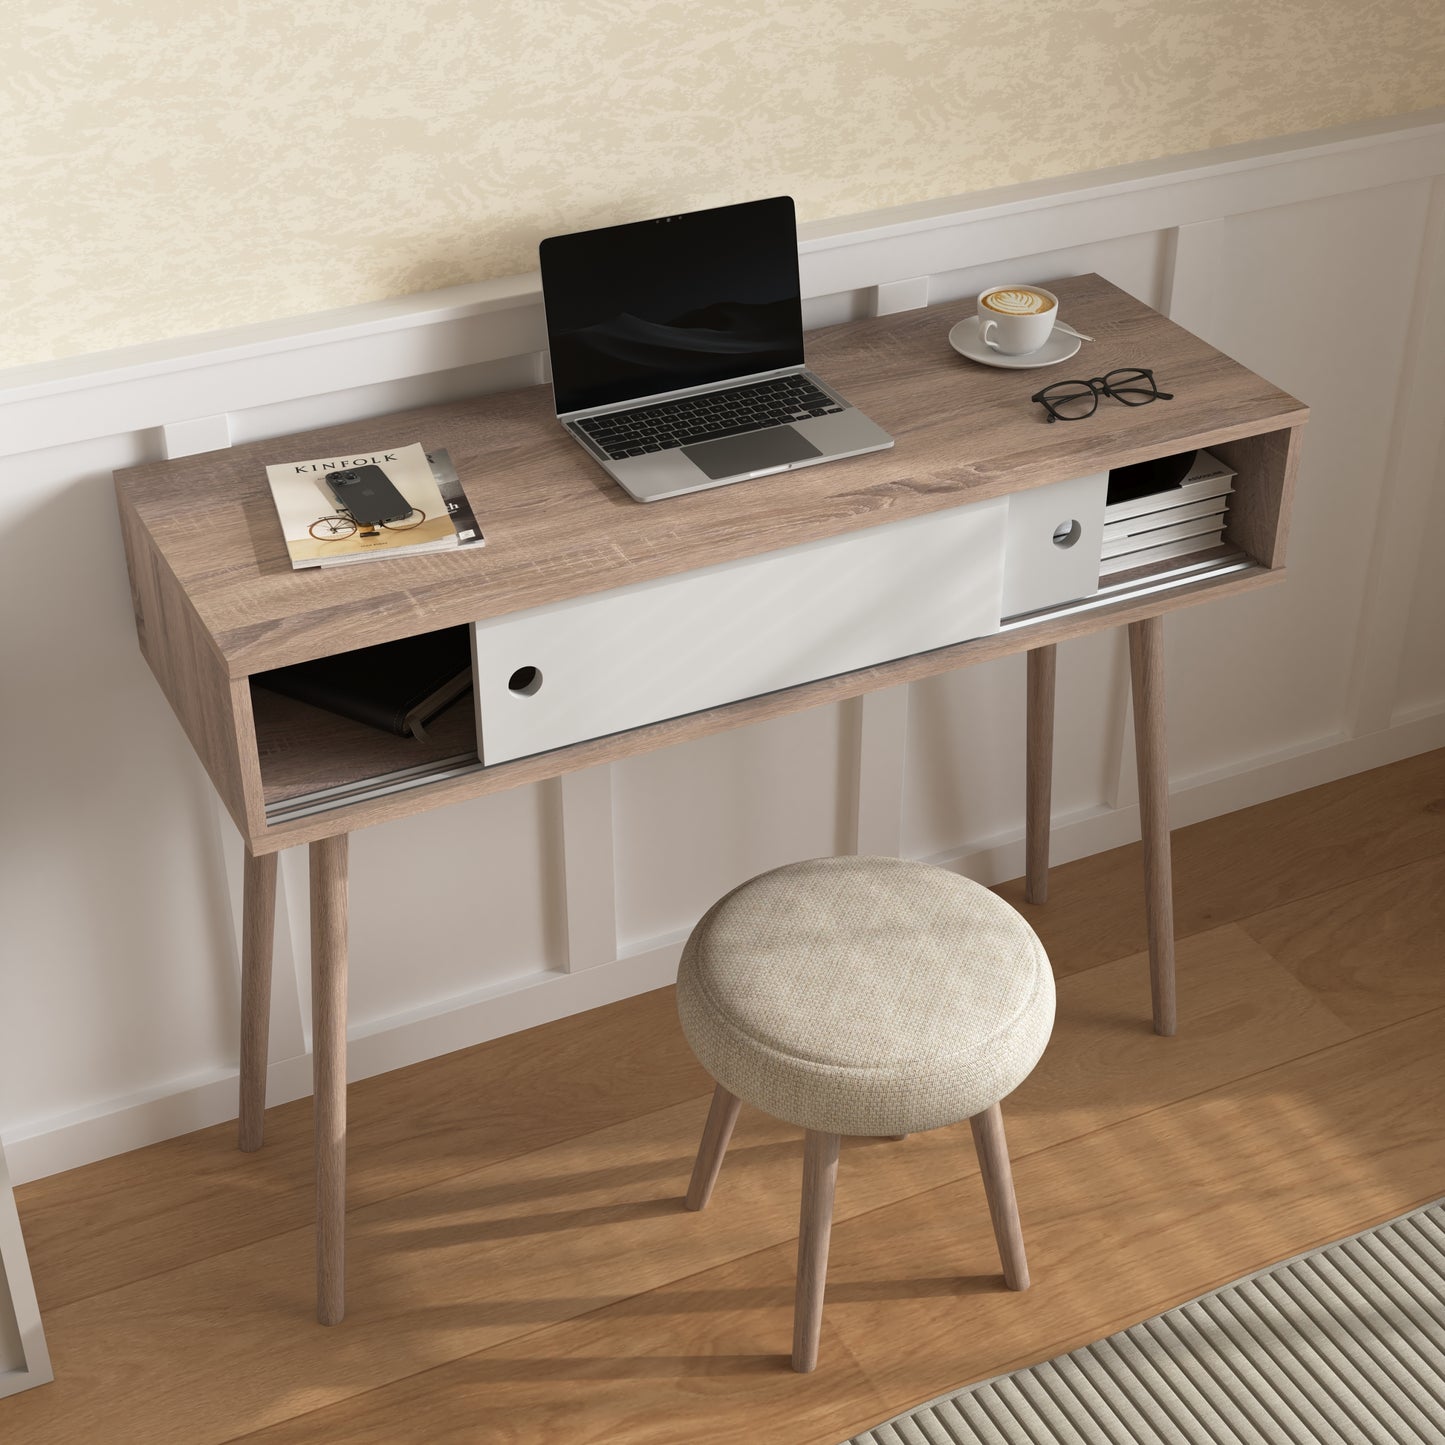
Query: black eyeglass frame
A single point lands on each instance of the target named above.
(1100, 386)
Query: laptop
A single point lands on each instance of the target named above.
(677, 352)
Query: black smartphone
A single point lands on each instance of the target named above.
(368, 495)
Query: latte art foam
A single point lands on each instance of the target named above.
(1017, 301)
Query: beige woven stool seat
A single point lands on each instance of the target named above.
(866, 996)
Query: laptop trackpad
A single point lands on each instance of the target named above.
(751, 452)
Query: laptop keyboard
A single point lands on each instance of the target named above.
(705, 418)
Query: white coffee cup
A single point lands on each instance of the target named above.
(1015, 320)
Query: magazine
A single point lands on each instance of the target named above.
(464, 520)
(320, 533)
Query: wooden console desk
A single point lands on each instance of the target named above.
(216, 600)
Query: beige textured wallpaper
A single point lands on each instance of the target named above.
(170, 168)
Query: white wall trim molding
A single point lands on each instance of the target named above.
(589, 884)
(1417, 446)
(164, 383)
(1192, 274)
(1192, 800)
(24, 1356)
(882, 734)
(1175, 231)
(180, 1106)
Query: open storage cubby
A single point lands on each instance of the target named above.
(1254, 533)
(313, 760)
(217, 605)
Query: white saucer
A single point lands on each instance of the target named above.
(964, 340)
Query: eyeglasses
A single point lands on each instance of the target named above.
(1074, 400)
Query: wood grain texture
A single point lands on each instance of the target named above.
(212, 707)
(557, 527)
(1259, 508)
(408, 1129)
(1372, 951)
(722, 1116)
(328, 1070)
(1039, 765)
(1133, 1219)
(998, 1187)
(815, 1224)
(522, 1265)
(216, 598)
(1104, 1063)
(699, 724)
(1319, 839)
(1146, 669)
(487, 1256)
(914, 1302)
(258, 937)
(303, 749)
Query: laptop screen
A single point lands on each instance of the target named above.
(681, 301)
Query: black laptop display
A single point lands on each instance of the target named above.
(677, 350)
(655, 306)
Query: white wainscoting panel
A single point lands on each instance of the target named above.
(1400, 662)
(453, 901)
(696, 820)
(1135, 263)
(120, 879)
(589, 857)
(1282, 308)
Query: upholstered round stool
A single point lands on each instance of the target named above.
(866, 996)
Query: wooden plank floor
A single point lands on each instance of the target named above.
(521, 1268)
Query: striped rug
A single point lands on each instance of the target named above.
(1344, 1345)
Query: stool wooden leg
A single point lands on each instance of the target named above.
(258, 932)
(1146, 667)
(1040, 772)
(715, 1135)
(815, 1224)
(998, 1185)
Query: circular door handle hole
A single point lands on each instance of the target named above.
(1067, 533)
(526, 681)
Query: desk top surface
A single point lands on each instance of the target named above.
(558, 527)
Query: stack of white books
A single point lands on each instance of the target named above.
(1183, 518)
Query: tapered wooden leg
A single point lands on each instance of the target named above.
(1040, 770)
(328, 1065)
(998, 1185)
(1146, 667)
(815, 1225)
(715, 1135)
(258, 932)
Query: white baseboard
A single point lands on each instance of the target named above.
(381, 1045)
(1175, 232)
(376, 1047)
(1192, 800)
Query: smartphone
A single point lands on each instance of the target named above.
(368, 495)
